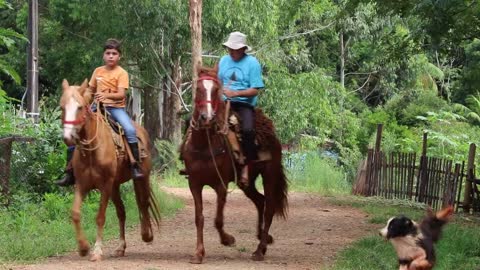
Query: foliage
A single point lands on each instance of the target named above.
(311, 172)
(32, 229)
(36, 165)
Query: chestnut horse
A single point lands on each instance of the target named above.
(209, 161)
(96, 166)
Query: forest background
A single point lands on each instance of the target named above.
(333, 71)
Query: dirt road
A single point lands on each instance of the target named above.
(314, 232)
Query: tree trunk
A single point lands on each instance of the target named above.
(196, 33)
(170, 102)
(342, 60)
(152, 113)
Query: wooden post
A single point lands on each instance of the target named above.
(467, 197)
(5, 157)
(196, 37)
(422, 171)
(6, 150)
(378, 141)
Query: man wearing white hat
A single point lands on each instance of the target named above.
(241, 75)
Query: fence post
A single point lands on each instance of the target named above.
(467, 198)
(6, 150)
(422, 171)
(378, 141)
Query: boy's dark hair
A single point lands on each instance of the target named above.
(112, 44)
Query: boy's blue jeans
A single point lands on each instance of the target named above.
(121, 116)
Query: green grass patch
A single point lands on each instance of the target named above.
(309, 172)
(34, 230)
(459, 248)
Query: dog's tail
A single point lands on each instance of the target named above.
(435, 222)
(445, 213)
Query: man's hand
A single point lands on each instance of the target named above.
(229, 93)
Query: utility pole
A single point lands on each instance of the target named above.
(32, 59)
(195, 18)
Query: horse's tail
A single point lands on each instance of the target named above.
(280, 190)
(148, 208)
(153, 208)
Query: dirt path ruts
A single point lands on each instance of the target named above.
(314, 232)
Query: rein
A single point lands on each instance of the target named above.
(215, 163)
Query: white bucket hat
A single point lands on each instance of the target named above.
(236, 41)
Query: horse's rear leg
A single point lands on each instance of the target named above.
(120, 209)
(259, 200)
(199, 222)
(269, 211)
(104, 197)
(83, 246)
(225, 238)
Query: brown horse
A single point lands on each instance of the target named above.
(209, 161)
(96, 166)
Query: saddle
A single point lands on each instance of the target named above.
(119, 138)
(265, 138)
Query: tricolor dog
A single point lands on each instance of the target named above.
(414, 242)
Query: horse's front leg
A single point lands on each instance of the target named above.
(199, 222)
(83, 246)
(120, 209)
(104, 197)
(225, 238)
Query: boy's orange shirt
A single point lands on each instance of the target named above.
(108, 81)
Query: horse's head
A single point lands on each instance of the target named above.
(75, 102)
(208, 97)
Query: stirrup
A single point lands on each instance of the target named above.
(183, 172)
(137, 172)
(68, 180)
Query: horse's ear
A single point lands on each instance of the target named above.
(84, 86)
(65, 84)
(215, 68)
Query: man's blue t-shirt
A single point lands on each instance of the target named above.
(241, 75)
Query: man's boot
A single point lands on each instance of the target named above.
(69, 179)
(136, 170)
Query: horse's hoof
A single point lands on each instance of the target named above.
(119, 253)
(196, 259)
(269, 239)
(95, 258)
(147, 238)
(258, 256)
(83, 248)
(228, 240)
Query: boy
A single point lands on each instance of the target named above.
(109, 84)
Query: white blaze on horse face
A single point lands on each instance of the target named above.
(208, 85)
(71, 108)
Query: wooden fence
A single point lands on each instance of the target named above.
(434, 181)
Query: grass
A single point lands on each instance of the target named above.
(35, 230)
(459, 248)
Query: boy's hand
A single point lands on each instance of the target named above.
(100, 97)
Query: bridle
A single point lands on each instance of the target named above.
(79, 120)
(215, 103)
(80, 117)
